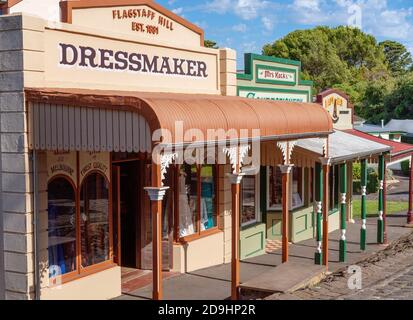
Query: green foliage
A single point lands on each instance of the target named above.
(372, 182)
(406, 167)
(339, 57)
(374, 75)
(210, 44)
(357, 171)
(372, 179)
(397, 57)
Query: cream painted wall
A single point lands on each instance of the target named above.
(46, 9)
(99, 286)
(198, 254)
(102, 18)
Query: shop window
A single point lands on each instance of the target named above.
(94, 220)
(61, 227)
(248, 200)
(334, 183)
(297, 187)
(197, 199)
(274, 187)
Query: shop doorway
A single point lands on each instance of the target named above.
(132, 219)
(127, 213)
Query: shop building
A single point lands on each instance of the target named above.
(267, 78)
(82, 104)
(97, 112)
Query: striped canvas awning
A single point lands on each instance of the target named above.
(74, 128)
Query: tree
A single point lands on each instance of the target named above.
(210, 44)
(399, 103)
(397, 56)
(341, 57)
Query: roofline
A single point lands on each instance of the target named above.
(68, 6)
(286, 137)
(8, 5)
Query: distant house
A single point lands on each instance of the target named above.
(394, 130)
(403, 126)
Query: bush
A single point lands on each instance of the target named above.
(356, 186)
(372, 182)
(406, 167)
(357, 171)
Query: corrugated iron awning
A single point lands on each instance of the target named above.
(344, 146)
(276, 120)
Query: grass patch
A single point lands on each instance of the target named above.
(372, 207)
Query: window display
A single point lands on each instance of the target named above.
(188, 198)
(275, 188)
(94, 220)
(62, 227)
(197, 199)
(248, 200)
(208, 179)
(274, 184)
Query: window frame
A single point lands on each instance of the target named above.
(198, 234)
(258, 217)
(96, 267)
(300, 185)
(80, 271)
(72, 274)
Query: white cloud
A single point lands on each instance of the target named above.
(178, 11)
(242, 27)
(249, 9)
(245, 9)
(268, 23)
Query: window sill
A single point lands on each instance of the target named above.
(194, 237)
(73, 276)
(251, 225)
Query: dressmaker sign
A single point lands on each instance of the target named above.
(62, 163)
(83, 61)
(94, 161)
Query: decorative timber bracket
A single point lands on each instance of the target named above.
(287, 148)
(166, 161)
(236, 155)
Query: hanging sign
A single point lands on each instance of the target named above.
(61, 163)
(94, 161)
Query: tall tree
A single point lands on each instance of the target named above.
(341, 57)
(397, 56)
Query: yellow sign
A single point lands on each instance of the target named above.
(62, 163)
(94, 161)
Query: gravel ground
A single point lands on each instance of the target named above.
(386, 275)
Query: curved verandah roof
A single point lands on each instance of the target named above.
(276, 120)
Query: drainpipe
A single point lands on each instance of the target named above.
(36, 228)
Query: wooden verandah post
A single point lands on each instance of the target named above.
(318, 257)
(156, 193)
(236, 155)
(343, 212)
(410, 213)
(363, 231)
(380, 221)
(326, 162)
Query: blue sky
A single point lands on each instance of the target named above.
(246, 25)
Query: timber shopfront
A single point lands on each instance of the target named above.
(269, 78)
(99, 113)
